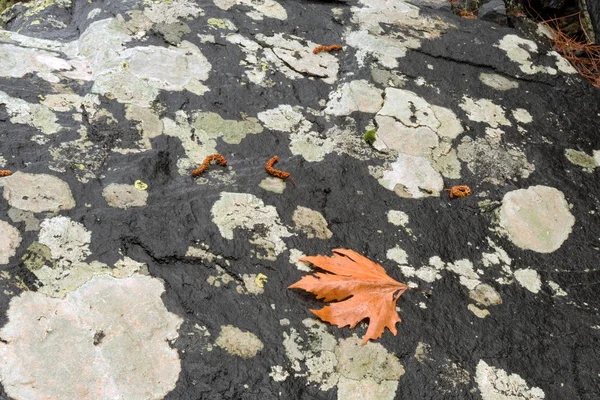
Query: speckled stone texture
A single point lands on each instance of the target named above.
(122, 276)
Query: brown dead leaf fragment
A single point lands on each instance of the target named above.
(359, 289)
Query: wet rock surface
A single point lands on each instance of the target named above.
(116, 262)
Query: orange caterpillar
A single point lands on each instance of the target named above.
(459, 191)
(5, 172)
(328, 49)
(277, 173)
(204, 166)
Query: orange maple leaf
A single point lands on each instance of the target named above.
(360, 288)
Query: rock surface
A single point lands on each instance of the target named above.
(150, 283)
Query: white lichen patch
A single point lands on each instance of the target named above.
(398, 218)
(537, 218)
(522, 115)
(170, 12)
(478, 312)
(67, 240)
(466, 273)
(558, 291)
(278, 374)
(358, 95)
(152, 68)
(496, 384)
(412, 177)
(262, 9)
(238, 343)
(283, 118)
(497, 82)
(529, 279)
(371, 39)
(311, 223)
(295, 255)
(37, 192)
(485, 295)
(366, 372)
(484, 110)
(273, 184)
(124, 196)
(105, 336)
(297, 54)
(519, 50)
(9, 241)
(410, 125)
(398, 255)
(246, 211)
(36, 115)
(199, 139)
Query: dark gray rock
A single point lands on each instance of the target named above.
(494, 11)
(150, 280)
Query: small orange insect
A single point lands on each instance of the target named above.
(459, 191)
(5, 172)
(204, 166)
(277, 173)
(328, 49)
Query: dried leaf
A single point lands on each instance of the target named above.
(359, 288)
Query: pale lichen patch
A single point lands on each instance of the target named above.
(529, 279)
(9, 242)
(169, 12)
(311, 223)
(273, 184)
(497, 82)
(266, 8)
(581, 159)
(484, 110)
(496, 384)
(398, 255)
(222, 278)
(295, 255)
(36, 115)
(522, 115)
(558, 291)
(485, 295)
(366, 372)
(519, 50)
(358, 95)
(478, 312)
(371, 39)
(537, 218)
(124, 196)
(398, 218)
(246, 211)
(297, 53)
(104, 337)
(412, 177)
(238, 343)
(282, 118)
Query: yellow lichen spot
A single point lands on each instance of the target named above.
(216, 23)
(41, 97)
(260, 280)
(125, 65)
(139, 185)
(79, 165)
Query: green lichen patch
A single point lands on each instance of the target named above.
(581, 159)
